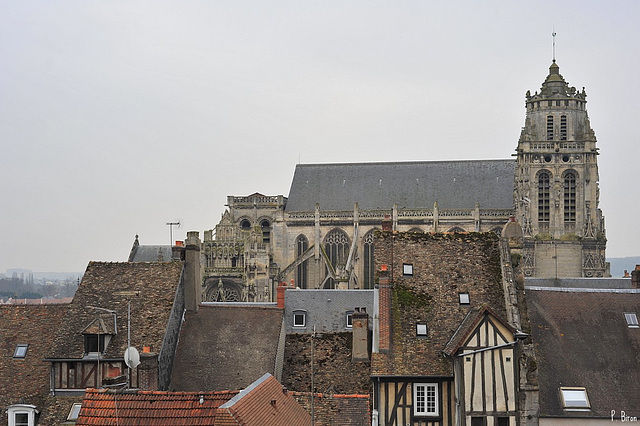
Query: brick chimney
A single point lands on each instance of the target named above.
(282, 287)
(192, 273)
(360, 335)
(635, 277)
(384, 310)
(148, 371)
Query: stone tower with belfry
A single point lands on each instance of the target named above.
(556, 189)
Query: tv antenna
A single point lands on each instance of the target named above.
(171, 225)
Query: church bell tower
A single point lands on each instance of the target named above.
(556, 186)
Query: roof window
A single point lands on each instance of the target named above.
(574, 398)
(632, 319)
(407, 269)
(74, 412)
(421, 329)
(21, 351)
(464, 298)
(299, 318)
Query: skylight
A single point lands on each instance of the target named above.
(574, 398)
(632, 319)
(21, 351)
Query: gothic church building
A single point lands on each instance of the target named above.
(321, 235)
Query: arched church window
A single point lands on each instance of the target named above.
(549, 127)
(563, 127)
(336, 245)
(245, 225)
(456, 230)
(570, 196)
(544, 195)
(302, 244)
(369, 263)
(266, 231)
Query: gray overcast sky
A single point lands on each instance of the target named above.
(119, 116)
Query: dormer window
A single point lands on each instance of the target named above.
(22, 415)
(349, 319)
(21, 351)
(299, 318)
(94, 343)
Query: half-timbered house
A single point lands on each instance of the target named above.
(443, 351)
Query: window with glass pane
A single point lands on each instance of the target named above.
(302, 244)
(574, 397)
(368, 260)
(336, 245)
(21, 419)
(425, 399)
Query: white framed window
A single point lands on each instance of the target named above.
(22, 415)
(349, 319)
(632, 319)
(21, 351)
(574, 398)
(464, 298)
(421, 329)
(407, 269)
(299, 318)
(74, 412)
(425, 399)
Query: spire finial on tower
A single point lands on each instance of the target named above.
(553, 34)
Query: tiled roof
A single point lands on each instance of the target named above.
(151, 288)
(264, 402)
(334, 371)
(337, 409)
(226, 347)
(582, 340)
(453, 184)
(103, 407)
(27, 379)
(443, 266)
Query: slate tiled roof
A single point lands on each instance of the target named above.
(579, 282)
(264, 402)
(453, 184)
(226, 347)
(151, 288)
(27, 379)
(582, 340)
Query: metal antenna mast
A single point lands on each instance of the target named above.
(553, 34)
(171, 225)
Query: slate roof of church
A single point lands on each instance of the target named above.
(105, 285)
(411, 185)
(227, 347)
(582, 339)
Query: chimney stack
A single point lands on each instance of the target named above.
(635, 277)
(192, 272)
(384, 310)
(360, 335)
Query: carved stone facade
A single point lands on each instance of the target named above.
(321, 235)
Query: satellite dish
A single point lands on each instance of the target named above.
(131, 357)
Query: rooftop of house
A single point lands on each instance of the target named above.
(585, 339)
(227, 347)
(262, 402)
(337, 409)
(610, 283)
(26, 335)
(101, 303)
(326, 310)
(428, 274)
(452, 184)
(334, 372)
